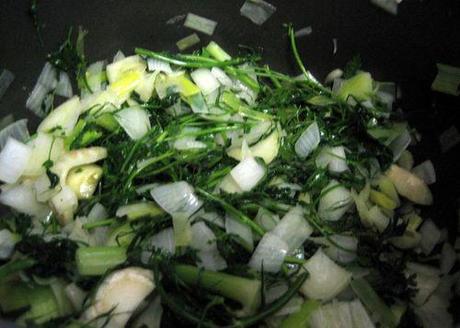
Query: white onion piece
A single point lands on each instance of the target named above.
(266, 219)
(17, 130)
(22, 199)
(361, 318)
(64, 86)
(42, 188)
(158, 65)
(205, 80)
(269, 254)
(338, 254)
(200, 24)
(13, 160)
(43, 147)
(426, 172)
(435, 313)
(303, 32)
(98, 212)
(334, 314)
(176, 197)
(409, 185)
(228, 185)
(164, 240)
(248, 173)
(222, 77)
(400, 144)
(75, 295)
(326, 279)
(430, 236)
(333, 158)
(333, 75)
(390, 6)
(45, 83)
(135, 121)
(48, 76)
(376, 218)
(203, 237)
(118, 56)
(7, 242)
(448, 258)
(6, 78)
(308, 141)
(213, 217)
(116, 70)
(151, 316)
(235, 227)
(257, 11)
(188, 143)
(120, 292)
(63, 118)
(334, 202)
(426, 279)
(94, 75)
(64, 205)
(293, 228)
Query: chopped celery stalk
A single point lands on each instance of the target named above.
(373, 302)
(217, 52)
(448, 80)
(388, 188)
(359, 87)
(379, 198)
(139, 210)
(188, 41)
(39, 301)
(95, 261)
(182, 229)
(107, 121)
(121, 236)
(301, 318)
(245, 291)
(200, 24)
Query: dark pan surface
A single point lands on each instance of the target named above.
(403, 48)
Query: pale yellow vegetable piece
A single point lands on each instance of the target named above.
(84, 179)
(410, 186)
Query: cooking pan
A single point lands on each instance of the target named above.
(403, 48)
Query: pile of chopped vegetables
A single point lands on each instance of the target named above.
(209, 190)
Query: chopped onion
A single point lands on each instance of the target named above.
(7, 242)
(390, 6)
(303, 32)
(158, 65)
(334, 46)
(175, 19)
(116, 70)
(98, 212)
(6, 78)
(242, 231)
(118, 56)
(326, 279)
(204, 241)
(248, 173)
(200, 24)
(430, 236)
(135, 121)
(426, 172)
(448, 258)
(435, 313)
(426, 279)
(258, 11)
(45, 83)
(188, 41)
(22, 199)
(448, 80)
(340, 254)
(64, 87)
(334, 202)
(333, 75)
(43, 147)
(164, 240)
(16, 130)
(293, 228)
(222, 77)
(269, 254)
(205, 80)
(75, 295)
(266, 219)
(377, 219)
(151, 316)
(63, 118)
(13, 160)
(176, 197)
(95, 75)
(308, 141)
(214, 218)
(333, 158)
(400, 144)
